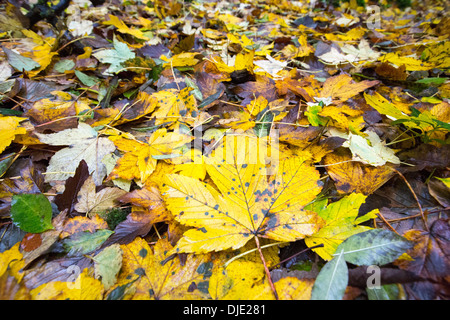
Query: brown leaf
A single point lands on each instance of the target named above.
(150, 199)
(262, 86)
(351, 176)
(68, 198)
(427, 156)
(137, 224)
(430, 260)
(91, 202)
(81, 223)
(342, 87)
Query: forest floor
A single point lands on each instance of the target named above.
(224, 150)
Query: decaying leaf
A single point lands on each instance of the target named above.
(140, 158)
(341, 221)
(84, 144)
(92, 202)
(248, 203)
(209, 150)
(161, 278)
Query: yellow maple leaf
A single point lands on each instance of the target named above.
(85, 287)
(12, 259)
(245, 280)
(9, 128)
(172, 106)
(42, 53)
(184, 59)
(353, 34)
(156, 277)
(411, 64)
(342, 87)
(123, 28)
(140, 158)
(246, 204)
(340, 223)
(344, 118)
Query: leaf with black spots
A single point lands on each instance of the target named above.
(247, 203)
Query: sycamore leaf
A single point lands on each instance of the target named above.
(139, 160)
(91, 202)
(239, 280)
(247, 203)
(354, 176)
(375, 154)
(12, 259)
(9, 128)
(84, 144)
(115, 57)
(123, 28)
(340, 223)
(172, 106)
(156, 277)
(85, 287)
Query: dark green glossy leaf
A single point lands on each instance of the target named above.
(31, 212)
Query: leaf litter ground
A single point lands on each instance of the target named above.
(225, 150)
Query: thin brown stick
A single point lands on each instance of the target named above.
(415, 197)
(269, 278)
(387, 223)
(298, 253)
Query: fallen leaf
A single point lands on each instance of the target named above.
(159, 278)
(341, 221)
(350, 176)
(91, 202)
(247, 205)
(108, 264)
(84, 144)
(140, 158)
(115, 57)
(85, 287)
(9, 128)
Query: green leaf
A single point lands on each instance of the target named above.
(210, 99)
(197, 93)
(373, 247)
(264, 123)
(332, 280)
(385, 292)
(5, 163)
(107, 265)
(64, 65)
(84, 242)
(88, 81)
(115, 57)
(31, 212)
(429, 81)
(19, 62)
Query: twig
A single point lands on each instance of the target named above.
(415, 197)
(269, 278)
(298, 253)
(250, 251)
(387, 223)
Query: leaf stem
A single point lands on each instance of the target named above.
(415, 197)
(269, 278)
(250, 251)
